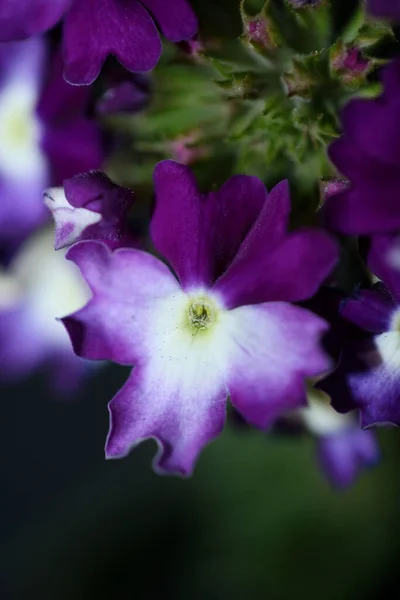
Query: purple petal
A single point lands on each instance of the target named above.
(200, 235)
(368, 378)
(175, 18)
(384, 261)
(72, 141)
(276, 347)
(125, 285)
(371, 310)
(94, 29)
(182, 418)
(262, 273)
(24, 18)
(343, 455)
(91, 207)
(368, 206)
(386, 9)
(372, 126)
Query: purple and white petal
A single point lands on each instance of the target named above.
(175, 18)
(180, 400)
(127, 286)
(94, 29)
(275, 347)
(384, 261)
(90, 206)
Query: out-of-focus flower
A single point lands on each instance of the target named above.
(368, 154)
(90, 206)
(39, 286)
(385, 9)
(45, 136)
(368, 375)
(343, 449)
(125, 92)
(220, 324)
(93, 29)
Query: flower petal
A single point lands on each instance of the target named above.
(182, 407)
(126, 284)
(370, 309)
(386, 9)
(368, 378)
(367, 206)
(91, 207)
(275, 347)
(384, 261)
(291, 271)
(24, 18)
(343, 455)
(93, 29)
(200, 235)
(175, 18)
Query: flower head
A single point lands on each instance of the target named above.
(368, 154)
(220, 324)
(90, 206)
(343, 448)
(45, 136)
(368, 375)
(94, 29)
(38, 287)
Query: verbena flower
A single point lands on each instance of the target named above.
(90, 206)
(93, 29)
(39, 286)
(343, 449)
(368, 154)
(45, 136)
(368, 375)
(220, 324)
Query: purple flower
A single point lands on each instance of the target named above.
(44, 136)
(343, 449)
(368, 375)
(368, 154)
(303, 3)
(385, 9)
(94, 29)
(39, 286)
(90, 206)
(220, 324)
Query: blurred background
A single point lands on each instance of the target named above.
(257, 519)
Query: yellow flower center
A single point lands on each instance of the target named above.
(202, 313)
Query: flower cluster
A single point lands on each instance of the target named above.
(247, 288)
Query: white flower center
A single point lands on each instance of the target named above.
(20, 129)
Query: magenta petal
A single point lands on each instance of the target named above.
(291, 271)
(343, 455)
(386, 9)
(370, 309)
(200, 235)
(369, 205)
(20, 19)
(93, 29)
(153, 405)
(125, 283)
(279, 349)
(175, 18)
(384, 261)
